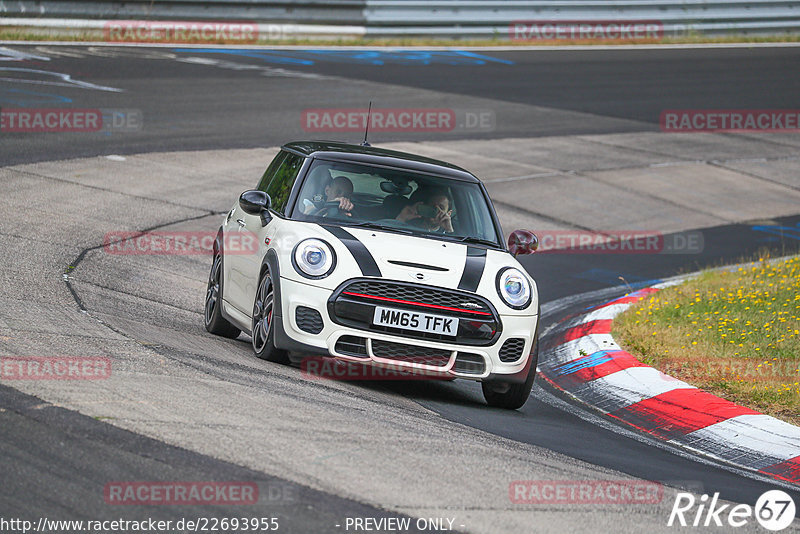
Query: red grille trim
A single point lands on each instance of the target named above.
(421, 304)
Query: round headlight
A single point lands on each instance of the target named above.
(514, 288)
(313, 258)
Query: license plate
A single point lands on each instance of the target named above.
(418, 322)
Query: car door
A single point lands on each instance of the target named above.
(252, 236)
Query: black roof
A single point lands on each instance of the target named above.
(380, 156)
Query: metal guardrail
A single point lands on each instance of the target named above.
(404, 12)
(437, 18)
(492, 17)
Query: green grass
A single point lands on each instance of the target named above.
(733, 333)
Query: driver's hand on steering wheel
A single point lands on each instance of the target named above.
(344, 204)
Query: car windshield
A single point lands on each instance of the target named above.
(396, 200)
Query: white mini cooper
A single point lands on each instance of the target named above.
(380, 258)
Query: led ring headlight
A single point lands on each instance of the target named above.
(514, 288)
(313, 258)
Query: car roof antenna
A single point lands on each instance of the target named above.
(366, 128)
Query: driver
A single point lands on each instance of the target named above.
(339, 189)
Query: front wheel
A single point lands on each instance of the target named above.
(263, 331)
(213, 319)
(509, 395)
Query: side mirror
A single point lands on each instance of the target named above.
(522, 242)
(256, 203)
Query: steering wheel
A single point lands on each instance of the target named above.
(329, 209)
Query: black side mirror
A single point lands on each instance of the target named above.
(522, 242)
(256, 203)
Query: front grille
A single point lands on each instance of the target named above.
(352, 346)
(308, 320)
(460, 304)
(409, 353)
(511, 350)
(353, 305)
(469, 363)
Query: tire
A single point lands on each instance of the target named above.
(510, 395)
(213, 319)
(263, 328)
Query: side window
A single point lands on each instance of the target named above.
(282, 179)
(270, 172)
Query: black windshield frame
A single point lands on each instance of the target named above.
(292, 211)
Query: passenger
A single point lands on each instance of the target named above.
(433, 214)
(400, 208)
(339, 189)
(436, 216)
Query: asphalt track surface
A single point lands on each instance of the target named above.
(237, 99)
(215, 102)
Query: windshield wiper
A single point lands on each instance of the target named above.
(475, 241)
(458, 239)
(375, 226)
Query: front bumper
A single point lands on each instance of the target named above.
(398, 351)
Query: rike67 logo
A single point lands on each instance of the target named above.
(774, 510)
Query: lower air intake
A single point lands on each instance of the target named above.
(351, 346)
(511, 350)
(308, 320)
(469, 364)
(410, 354)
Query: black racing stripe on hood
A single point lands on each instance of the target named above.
(359, 251)
(473, 270)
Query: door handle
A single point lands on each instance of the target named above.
(241, 222)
